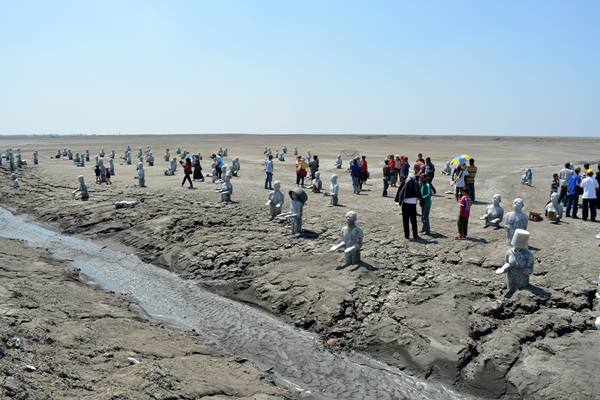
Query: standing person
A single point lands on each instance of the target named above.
(392, 165)
(218, 160)
(108, 182)
(459, 179)
(355, 173)
(555, 185)
(300, 171)
(386, 177)
(470, 178)
(573, 192)
(430, 173)
(269, 172)
(187, 170)
(598, 190)
(198, 169)
(314, 166)
(564, 175)
(364, 175)
(405, 167)
(426, 193)
(398, 167)
(464, 211)
(407, 196)
(420, 159)
(589, 185)
(97, 173)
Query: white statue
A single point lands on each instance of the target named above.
(295, 151)
(334, 190)
(352, 240)
(213, 172)
(515, 219)
(102, 154)
(275, 201)
(87, 156)
(317, 184)
(555, 208)
(338, 161)
(102, 170)
(167, 155)
(518, 263)
(298, 197)
(111, 166)
(284, 149)
(281, 157)
(494, 213)
(14, 182)
(128, 158)
(141, 176)
(150, 159)
(112, 154)
(226, 189)
(81, 193)
(235, 166)
(35, 158)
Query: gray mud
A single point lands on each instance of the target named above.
(294, 356)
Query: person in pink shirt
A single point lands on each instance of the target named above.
(464, 211)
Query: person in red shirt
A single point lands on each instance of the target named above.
(365, 171)
(464, 211)
(187, 170)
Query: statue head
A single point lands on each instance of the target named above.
(334, 179)
(518, 204)
(520, 239)
(496, 199)
(140, 165)
(554, 197)
(13, 177)
(351, 217)
(276, 186)
(81, 179)
(317, 175)
(227, 178)
(299, 195)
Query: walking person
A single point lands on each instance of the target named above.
(407, 196)
(464, 211)
(573, 192)
(269, 172)
(589, 186)
(187, 170)
(430, 173)
(364, 175)
(97, 173)
(355, 173)
(392, 165)
(426, 193)
(470, 178)
(564, 175)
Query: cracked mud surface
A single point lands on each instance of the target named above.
(435, 309)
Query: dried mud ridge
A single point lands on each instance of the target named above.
(436, 310)
(77, 342)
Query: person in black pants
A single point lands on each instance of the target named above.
(407, 196)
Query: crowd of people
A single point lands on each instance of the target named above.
(572, 182)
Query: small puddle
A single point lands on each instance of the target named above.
(294, 356)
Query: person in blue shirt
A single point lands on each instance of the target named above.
(573, 192)
(356, 173)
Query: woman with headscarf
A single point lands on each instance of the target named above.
(198, 169)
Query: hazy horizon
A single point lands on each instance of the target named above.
(516, 68)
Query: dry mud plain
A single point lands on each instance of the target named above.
(433, 308)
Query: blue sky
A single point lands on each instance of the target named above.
(419, 67)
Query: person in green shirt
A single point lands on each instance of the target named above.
(426, 193)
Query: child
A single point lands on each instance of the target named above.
(108, 182)
(555, 184)
(464, 211)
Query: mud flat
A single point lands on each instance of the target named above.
(79, 342)
(435, 309)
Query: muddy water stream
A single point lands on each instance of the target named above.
(295, 357)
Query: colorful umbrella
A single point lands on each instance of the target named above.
(460, 160)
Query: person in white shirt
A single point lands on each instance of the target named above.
(564, 175)
(589, 185)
